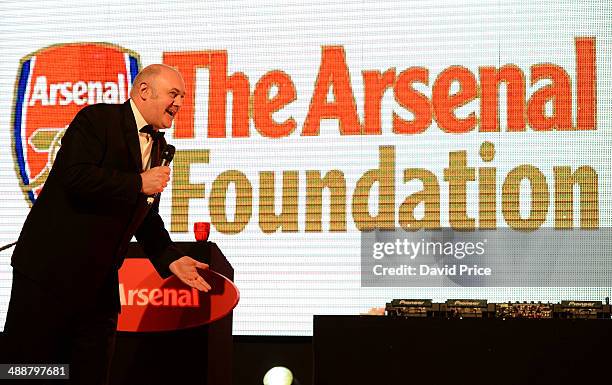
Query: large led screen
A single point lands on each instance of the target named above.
(308, 127)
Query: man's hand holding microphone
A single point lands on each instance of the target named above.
(155, 180)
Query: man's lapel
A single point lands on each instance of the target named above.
(131, 135)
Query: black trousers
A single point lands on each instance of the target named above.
(42, 327)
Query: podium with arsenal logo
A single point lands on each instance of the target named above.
(169, 332)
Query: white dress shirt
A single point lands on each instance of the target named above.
(145, 139)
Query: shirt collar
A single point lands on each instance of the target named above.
(140, 121)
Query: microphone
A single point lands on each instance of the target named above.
(166, 158)
(167, 155)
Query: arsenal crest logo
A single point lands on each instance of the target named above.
(52, 85)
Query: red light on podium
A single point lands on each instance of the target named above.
(201, 231)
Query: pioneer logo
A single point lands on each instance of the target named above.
(159, 297)
(412, 303)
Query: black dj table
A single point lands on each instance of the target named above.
(384, 350)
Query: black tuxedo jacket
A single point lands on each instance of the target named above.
(76, 234)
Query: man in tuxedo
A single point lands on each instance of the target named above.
(99, 193)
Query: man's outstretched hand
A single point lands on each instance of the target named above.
(185, 269)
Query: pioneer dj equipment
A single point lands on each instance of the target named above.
(480, 308)
(465, 308)
(412, 308)
(582, 310)
(523, 310)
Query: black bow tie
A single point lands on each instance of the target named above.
(155, 134)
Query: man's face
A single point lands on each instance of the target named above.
(165, 97)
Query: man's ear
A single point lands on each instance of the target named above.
(144, 91)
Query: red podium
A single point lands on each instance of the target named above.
(169, 333)
(152, 304)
